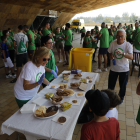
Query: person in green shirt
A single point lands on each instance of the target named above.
(136, 31)
(51, 69)
(88, 40)
(83, 33)
(104, 45)
(129, 34)
(59, 44)
(131, 26)
(11, 34)
(126, 26)
(31, 44)
(114, 32)
(38, 39)
(68, 43)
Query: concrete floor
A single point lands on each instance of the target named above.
(130, 130)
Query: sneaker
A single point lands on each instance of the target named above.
(104, 69)
(8, 76)
(66, 64)
(98, 70)
(14, 80)
(59, 61)
(13, 76)
(121, 102)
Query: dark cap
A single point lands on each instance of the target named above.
(98, 101)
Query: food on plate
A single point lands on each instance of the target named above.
(52, 86)
(49, 95)
(80, 94)
(84, 80)
(74, 84)
(65, 106)
(88, 77)
(65, 92)
(66, 74)
(90, 81)
(61, 87)
(65, 85)
(77, 75)
(65, 78)
(57, 99)
(74, 101)
(61, 119)
(43, 111)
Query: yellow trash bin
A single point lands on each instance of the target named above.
(82, 58)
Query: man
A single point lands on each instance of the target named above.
(129, 36)
(83, 33)
(68, 43)
(11, 34)
(137, 30)
(31, 44)
(104, 44)
(21, 45)
(121, 51)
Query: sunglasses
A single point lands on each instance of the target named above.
(45, 59)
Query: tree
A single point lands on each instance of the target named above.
(107, 20)
(117, 19)
(100, 18)
(133, 17)
(125, 17)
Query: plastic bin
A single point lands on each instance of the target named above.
(81, 58)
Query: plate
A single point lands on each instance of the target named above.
(67, 96)
(43, 118)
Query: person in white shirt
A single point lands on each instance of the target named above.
(119, 52)
(114, 101)
(31, 77)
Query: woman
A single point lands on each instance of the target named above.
(51, 69)
(31, 77)
(88, 40)
(114, 32)
(59, 44)
(83, 32)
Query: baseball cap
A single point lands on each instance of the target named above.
(98, 102)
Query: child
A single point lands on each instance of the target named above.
(101, 127)
(114, 101)
(6, 59)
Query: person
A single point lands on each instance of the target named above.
(88, 40)
(104, 44)
(94, 43)
(96, 30)
(59, 44)
(126, 26)
(132, 27)
(121, 51)
(51, 69)
(120, 25)
(10, 46)
(101, 127)
(11, 34)
(128, 33)
(21, 45)
(6, 59)
(40, 31)
(106, 26)
(31, 44)
(114, 101)
(1, 34)
(114, 32)
(83, 33)
(37, 40)
(31, 77)
(135, 32)
(68, 43)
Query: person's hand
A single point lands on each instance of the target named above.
(5, 60)
(119, 51)
(56, 69)
(54, 73)
(31, 43)
(41, 79)
(111, 56)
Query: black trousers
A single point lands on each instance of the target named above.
(123, 79)
(12, 55)
(94, 53)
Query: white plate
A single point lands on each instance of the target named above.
(66, 96)
(43, 118)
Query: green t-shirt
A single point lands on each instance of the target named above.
(38, 37)
(83, 31)
(31, 47)
(114, 33)
(104, 39)
(94, 44)
(46, 32)
(88, 39)
(69, 40)
(128, 31)
(136, 31)
(57, 37)
(51, 65)
(110, 39)
(136, 41)
(10, 41)
(11, 33)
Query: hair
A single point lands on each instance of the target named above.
(68, 25)
(131, 25)
(57, 28)
(87, 33)
(3, 38)
(26, 26)
(4, 32)
(39, 29)
(20, 27)
(110, 32)
(92, 30)
(122, 30)
(44, 39)
(46, 23)
(39, 53)
(113, 96)
(9, 29)
(103, 25)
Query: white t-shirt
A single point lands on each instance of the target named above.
(122, 63)
(112, 113)
(31, 73)
(20, 36)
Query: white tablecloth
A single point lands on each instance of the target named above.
(34, 128)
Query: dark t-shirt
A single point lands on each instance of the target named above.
(4, 47)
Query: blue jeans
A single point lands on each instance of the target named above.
(123, 79)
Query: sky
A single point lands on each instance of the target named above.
(112, 11)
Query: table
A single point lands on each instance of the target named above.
(34, 128)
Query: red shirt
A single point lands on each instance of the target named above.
(108, 130)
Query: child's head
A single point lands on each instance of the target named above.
(98, 102)
(4, 38)
(113, 96)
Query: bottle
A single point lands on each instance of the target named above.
(114, 61)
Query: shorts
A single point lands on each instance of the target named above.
(67, 48)
(103, 51)
(21, 59)
(59, 45)
(82, 35)
(8, 63)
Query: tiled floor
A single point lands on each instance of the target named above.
(130, 130)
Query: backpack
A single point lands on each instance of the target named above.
(22, 47)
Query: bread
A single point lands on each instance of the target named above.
(90, 81)
(65, 92)
(41, 111)
(80, 94)
(88, 77)
(52, 86)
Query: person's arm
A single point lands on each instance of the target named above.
(138, 89)
(65, 38)
(46, 82)
(126, 55)
(14, 44)
(3, 52)
(40, 33)
(28, 86)
(35, 37)
(47, 69)
(30, 39)
(27, 45)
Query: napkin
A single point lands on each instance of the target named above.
(80, 92)
(39, 101)
(28, 108)
(78, 101)
(55, 119)
(83, 86)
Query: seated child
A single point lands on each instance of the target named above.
(101, 127)
(114, 101)
(6, 59)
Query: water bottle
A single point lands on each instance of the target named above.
(114, 61)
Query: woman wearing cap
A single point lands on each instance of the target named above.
(51, 69)
(31, 77)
